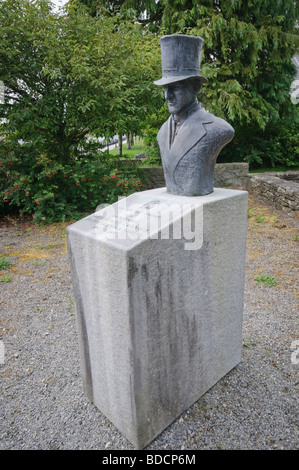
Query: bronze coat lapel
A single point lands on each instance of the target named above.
(191, 131)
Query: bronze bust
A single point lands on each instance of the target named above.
(191, 139)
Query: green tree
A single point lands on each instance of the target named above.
(41, 100)
(70, 75)
(67, 76)
(149, 13)
(247, 55)
(134, 95)
(248, 47)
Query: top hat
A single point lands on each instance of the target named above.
(180, 57)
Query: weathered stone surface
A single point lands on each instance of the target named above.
(158, 323)
(234, 174)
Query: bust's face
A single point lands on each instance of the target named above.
(179, 95)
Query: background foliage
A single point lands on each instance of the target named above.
(52, 191)
(248, 47)
(67, 77)
(89, 71)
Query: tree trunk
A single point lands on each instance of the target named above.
(129, 146)
(120, 145)
(131, 137)
(130, 140)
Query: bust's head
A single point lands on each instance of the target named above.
(180, 58)
(179, 95)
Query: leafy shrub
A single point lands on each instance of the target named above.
(51, 191)
(276, 147)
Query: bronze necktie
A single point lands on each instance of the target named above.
(175, 129)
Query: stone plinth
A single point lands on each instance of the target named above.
(158, 283)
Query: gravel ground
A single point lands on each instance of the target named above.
(254, 407)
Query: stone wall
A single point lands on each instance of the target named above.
(231, 174)
(280, 190)
(154, 176)
(226, 174)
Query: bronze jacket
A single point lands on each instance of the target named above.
(189, 160)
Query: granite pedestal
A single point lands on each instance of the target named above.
(158, 283)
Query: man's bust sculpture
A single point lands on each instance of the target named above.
(191, 139)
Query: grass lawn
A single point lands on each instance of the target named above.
(138, 147)
(275, 170)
